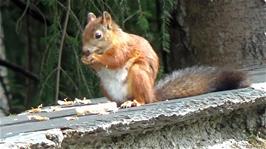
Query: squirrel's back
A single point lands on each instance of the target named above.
(199, 80)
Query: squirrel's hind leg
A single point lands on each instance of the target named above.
(130, 103)
(140, 86)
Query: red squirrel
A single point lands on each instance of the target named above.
(127, 67)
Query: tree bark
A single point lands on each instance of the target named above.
(4, 107)
(223, 33)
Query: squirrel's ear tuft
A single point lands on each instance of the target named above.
(107, 19)
(91, 16)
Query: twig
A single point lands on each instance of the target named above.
(130, 17)
(70, 79)
(44, 82)
(73, 15)
(32, 12)
(17, 68)
(159, 27)
(60, 53)
(7, 94)
(80, 71)
(23, 14)
(28, 100)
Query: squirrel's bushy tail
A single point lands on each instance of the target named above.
(199, 80)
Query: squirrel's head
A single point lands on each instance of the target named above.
(99, 33)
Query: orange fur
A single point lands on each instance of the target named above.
(127, 66)
(123, 49)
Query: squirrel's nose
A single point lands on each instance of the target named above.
(86, 52)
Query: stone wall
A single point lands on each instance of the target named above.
(226, 119)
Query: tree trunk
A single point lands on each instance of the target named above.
(223, 33)
(4, 108)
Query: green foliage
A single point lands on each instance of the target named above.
(138, 17)
(165, 17)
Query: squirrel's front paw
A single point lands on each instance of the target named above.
(84, 60)
(91, 59)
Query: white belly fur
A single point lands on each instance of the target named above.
(114, 82)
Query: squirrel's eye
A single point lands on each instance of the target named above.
(98, 34)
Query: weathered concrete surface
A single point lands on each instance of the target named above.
(42, 139)
(60, 118)
(234, 118)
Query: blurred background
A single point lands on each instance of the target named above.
(39, 38)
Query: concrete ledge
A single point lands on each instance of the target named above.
(222, 118)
